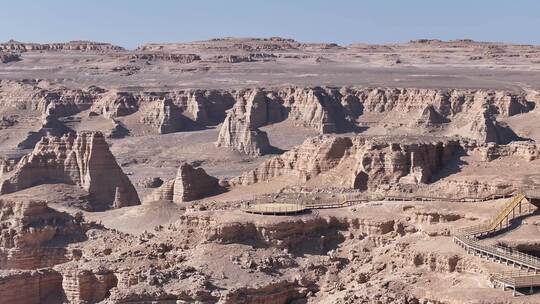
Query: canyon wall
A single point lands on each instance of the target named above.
(400, 111)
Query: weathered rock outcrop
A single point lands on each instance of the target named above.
(190, 184)
(9, 57)
(359, 162)
(160, 56)
(84, 160)
(30, 287)
(471, 113)
(87, 286)
(525, 150)
(39, 96)
(486, 128)
(50, 126)
(115, 104)
(165, 116)
(240, 130)
(118, 130)
(26, 227)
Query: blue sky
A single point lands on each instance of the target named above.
(131, 23)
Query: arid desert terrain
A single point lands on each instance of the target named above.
(270, 171)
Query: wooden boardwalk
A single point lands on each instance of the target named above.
(469, 238)
(521, 204)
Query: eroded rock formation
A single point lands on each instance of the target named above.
(27, 227)
(164, 116)
(240, 130)
(160, 56)
(357, 162)
(84, 160)
(30, 287)
(190, 184)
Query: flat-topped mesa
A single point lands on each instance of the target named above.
(82, 159)
(86, 46)
(356, 162)
(161, 56)
(240, 130)
(190, 184)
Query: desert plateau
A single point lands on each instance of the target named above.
(270, 171)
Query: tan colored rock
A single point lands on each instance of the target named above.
(26, 227)
(30, 287)
(161, 56)
(87, 286)
(165, 116)
(190, 184)
(240, 130)
(40, 96)
(115, 104)
(525, 150)
(357, 162)
(84, 160)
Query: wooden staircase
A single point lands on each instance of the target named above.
(469, 239)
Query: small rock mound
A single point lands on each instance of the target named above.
(190, 184)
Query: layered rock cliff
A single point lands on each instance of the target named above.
(357, 162)
(41, 97)
(84, 160)
(27, 230)
(13, 45)
(466, 112)
(190, 184)
(469, 113)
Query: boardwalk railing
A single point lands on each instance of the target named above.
(468, 239)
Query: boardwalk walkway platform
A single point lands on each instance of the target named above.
(528, 276)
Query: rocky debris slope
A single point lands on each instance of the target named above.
(190, 184)
(357, 162)
(83, 159)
